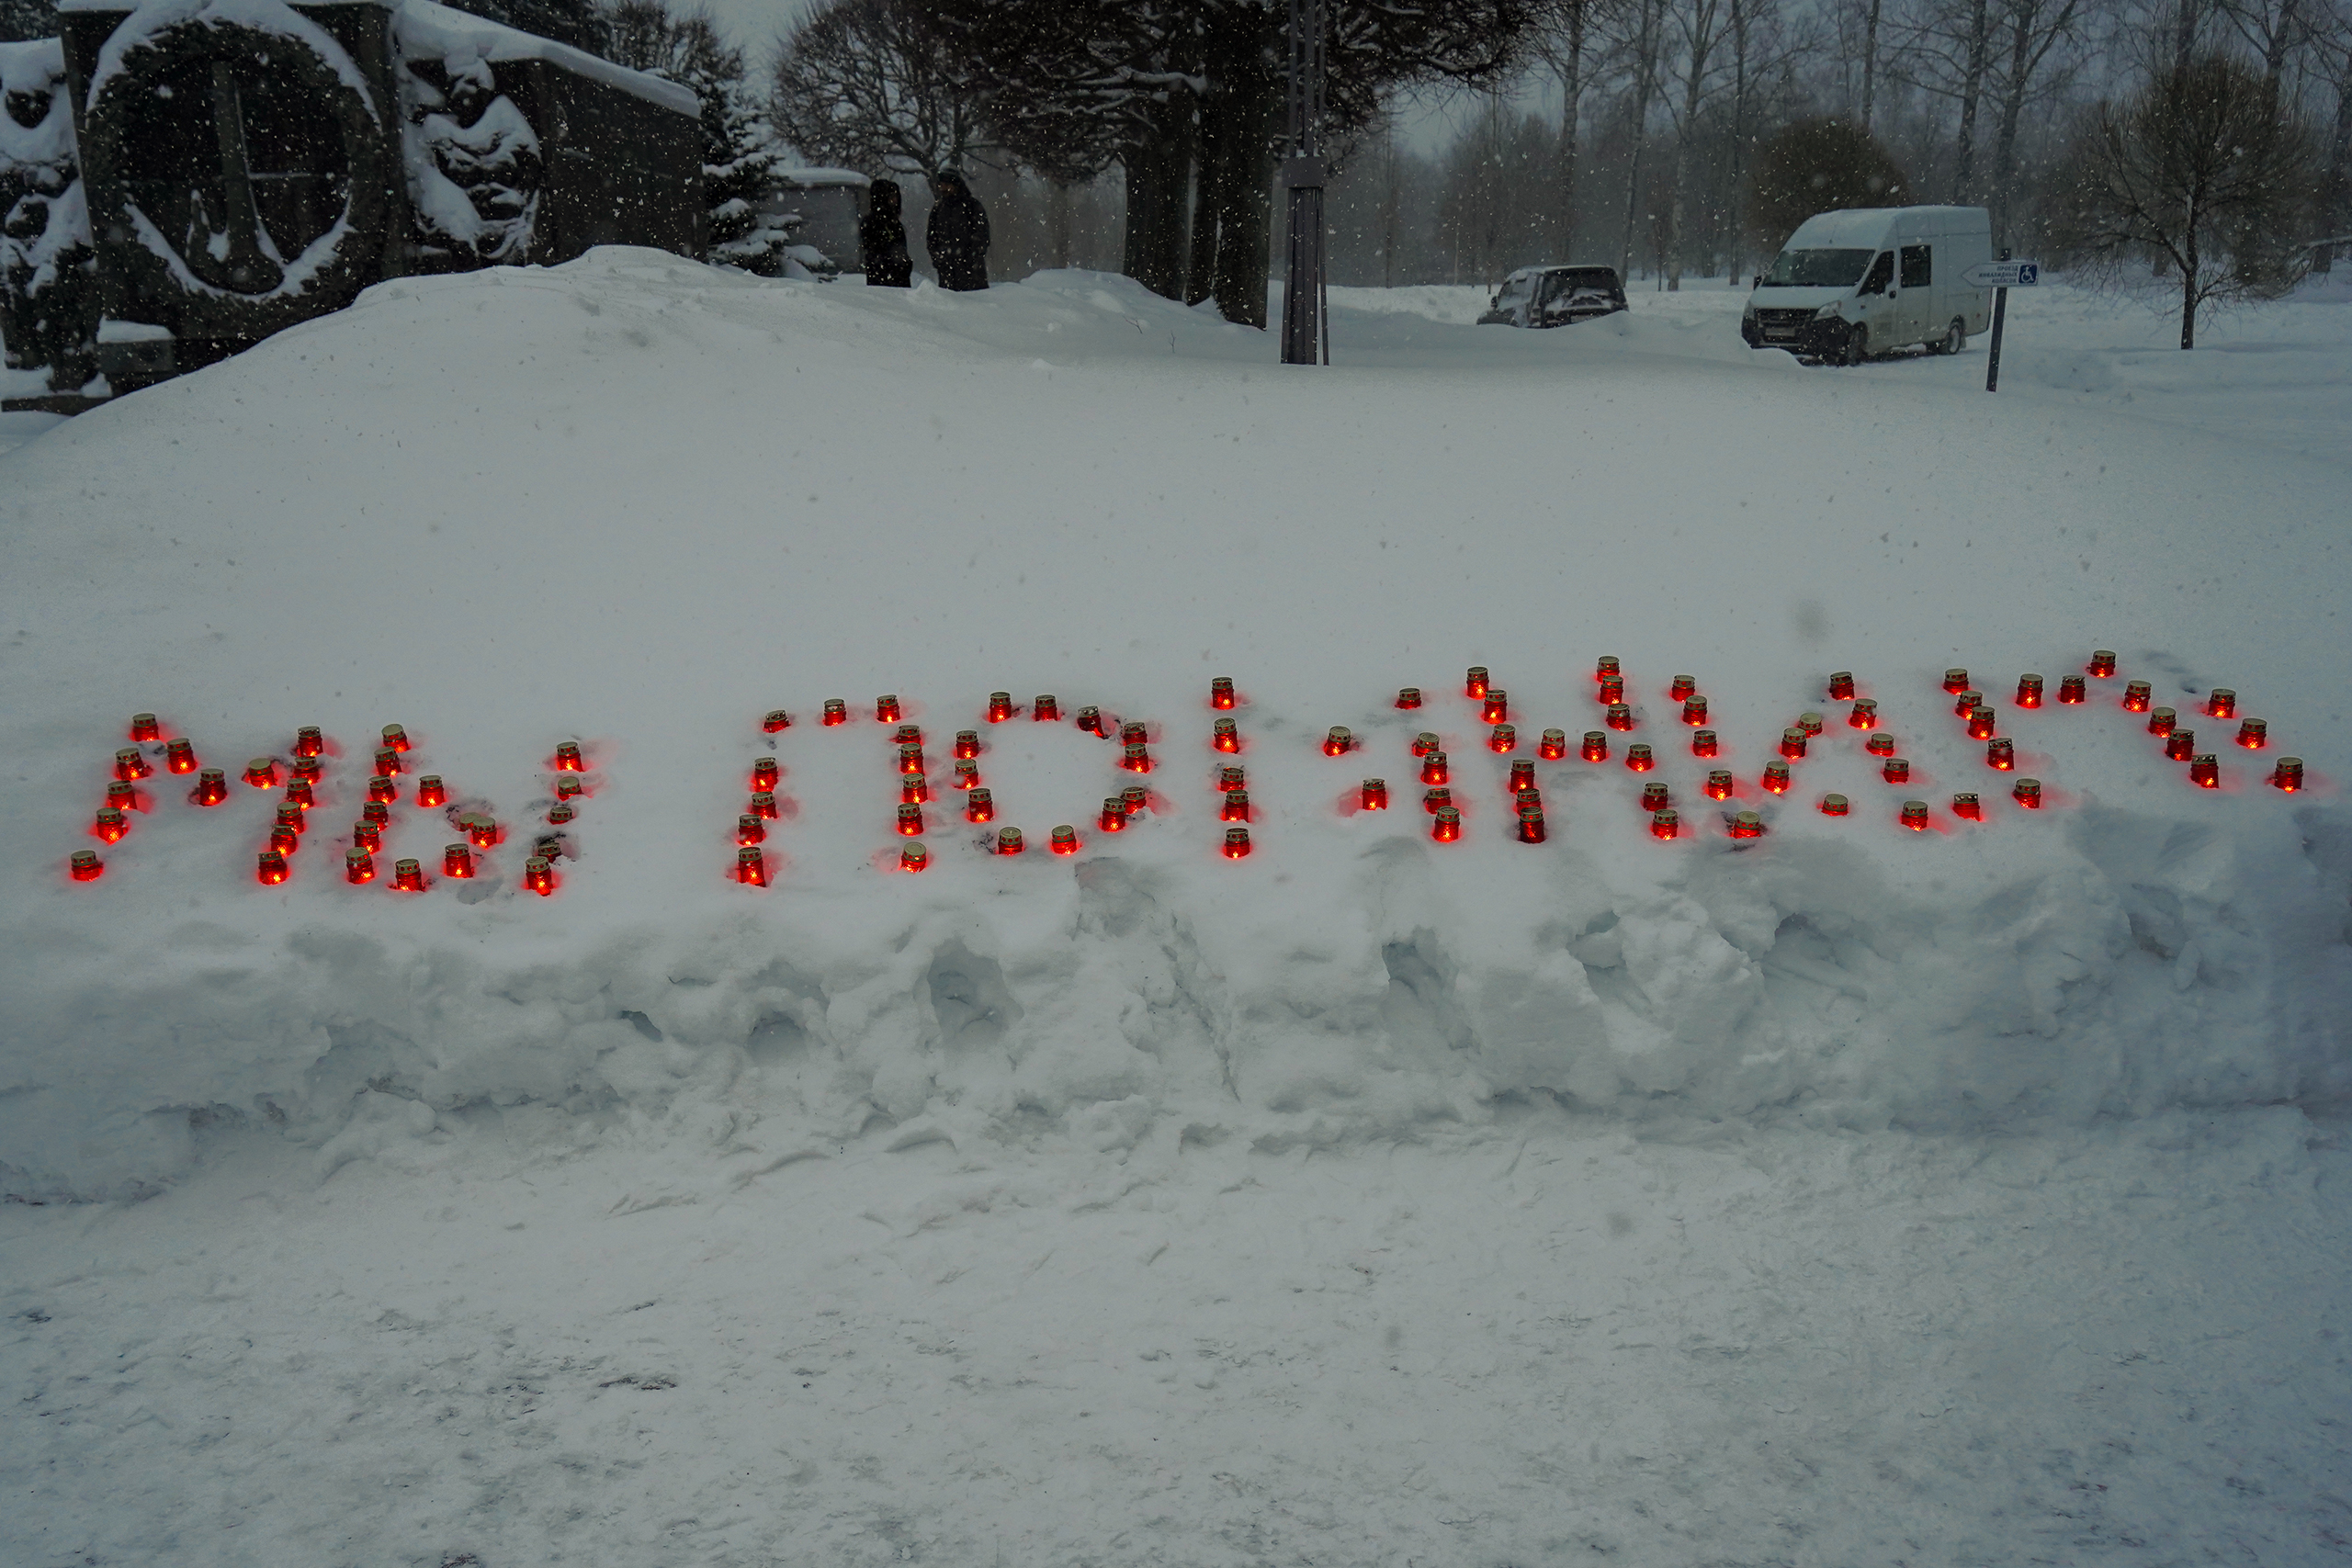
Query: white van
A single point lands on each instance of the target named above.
(1848, 285)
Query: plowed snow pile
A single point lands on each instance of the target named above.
(1848, 1194)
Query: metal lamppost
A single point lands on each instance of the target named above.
(1307, 331)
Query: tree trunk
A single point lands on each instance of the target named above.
(1702, 40)
(1486, 209)
(1737, 164)
(1972, 89)
(1644, 82)
(1392, 201)
(2274, 53)
(2188, 314)
(1158, 165)
(2005, 137)
(1204, 196)
(2188, 283)
(1571, 110)
(1869, 63)
(1249, 102)
(2339, 169)
(1673, 246)
(1058, 222)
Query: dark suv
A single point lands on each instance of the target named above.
(1555, 296)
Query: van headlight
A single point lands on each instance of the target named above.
(1831, 311)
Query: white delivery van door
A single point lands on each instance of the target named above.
(1915, 275)
(1873, 308)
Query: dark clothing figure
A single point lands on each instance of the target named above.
(883, 239)
(958, 234)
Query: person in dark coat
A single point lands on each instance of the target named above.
(958, 234)
(883, 239)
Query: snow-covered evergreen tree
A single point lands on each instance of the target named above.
(741, 164)
(23, 20)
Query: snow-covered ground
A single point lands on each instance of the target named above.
(2270, 375)
(1850, 1195)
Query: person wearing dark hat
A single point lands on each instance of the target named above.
(882, 238)
(958, 234)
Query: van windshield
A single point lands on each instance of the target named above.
(1817, 269)
(1515, 288)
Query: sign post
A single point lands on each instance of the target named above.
(2000, 276)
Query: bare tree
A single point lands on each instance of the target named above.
(1492, 212)
(1699, 27)
(1869, 62)
(1562, 39)
(1946, 51)
(1642, 47)
(1392, 201)
(2038, 29)
(2188, 19)
(1971, 88)
(2200, 168)
(1761, 50)
(864, 84)
(2334, 52)
(2272, 30)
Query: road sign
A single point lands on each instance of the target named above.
(2000, 276)
(2003, 274)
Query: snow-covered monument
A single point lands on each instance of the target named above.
(185, 177)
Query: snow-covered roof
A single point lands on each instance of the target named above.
(1863, 228)
(812, 177)
(1859, 228)
(428, 31)
(1559, 266)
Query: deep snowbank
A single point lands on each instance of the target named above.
(639, 503)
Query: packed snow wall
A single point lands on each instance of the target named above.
(252, 164)
(1184, 960)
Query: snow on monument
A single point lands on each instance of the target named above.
(215, 171)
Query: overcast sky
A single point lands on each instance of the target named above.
(754, 23)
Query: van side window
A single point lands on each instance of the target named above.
(1916, 270)
(1881, 273)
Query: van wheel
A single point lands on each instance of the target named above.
(1954, 336)
(1858, 346)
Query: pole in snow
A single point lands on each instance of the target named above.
(1305, 305)
(2000, 316)
(2000, 276)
